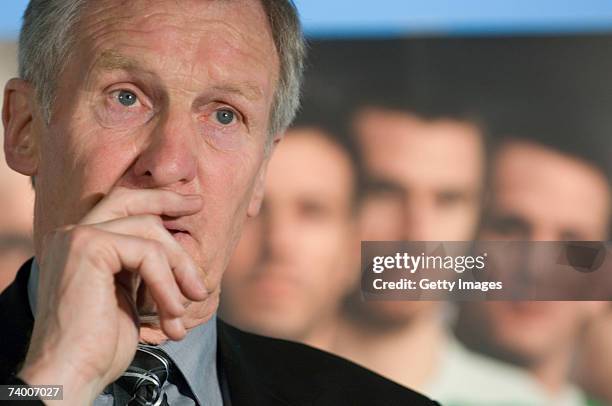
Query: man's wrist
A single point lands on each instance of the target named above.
(76, 391)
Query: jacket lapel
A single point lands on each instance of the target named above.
(17, 321)
(236, 377)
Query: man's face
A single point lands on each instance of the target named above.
(293, 263)
(427, 180)
(428, 177)
(541, 195)
(169, 95)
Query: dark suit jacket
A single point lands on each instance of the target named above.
(253, 370)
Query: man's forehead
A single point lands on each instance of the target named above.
(525, 164)
(530, 184)
(145, 7)
(179, 25)
(159, 12)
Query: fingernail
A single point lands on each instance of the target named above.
(178, 326)
(201, 286)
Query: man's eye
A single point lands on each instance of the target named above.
(127, 98)
(225, 116)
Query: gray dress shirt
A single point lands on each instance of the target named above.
(195, 357)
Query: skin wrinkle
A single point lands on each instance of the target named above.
(114, 60)
(249, 91)
(217, 70)
(235, 33)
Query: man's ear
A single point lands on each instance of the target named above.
(260, 182)
(20, 143)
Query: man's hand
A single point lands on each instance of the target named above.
(86, 328)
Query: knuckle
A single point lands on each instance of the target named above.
(101, 257)
(78, 242)
(155, 249)
(79, 237)
(153, 226)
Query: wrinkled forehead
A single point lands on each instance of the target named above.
(101, 12)
(231, 26)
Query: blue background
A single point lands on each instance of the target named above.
(355, 18)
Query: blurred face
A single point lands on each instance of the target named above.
(541, 195)
(294, 262)
(426, 185)
(529, 202)
(175, 98)
(427, 177)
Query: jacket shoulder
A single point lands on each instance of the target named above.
(302, 375)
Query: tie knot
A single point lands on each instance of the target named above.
(145, 377)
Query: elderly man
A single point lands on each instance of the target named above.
(147, 127)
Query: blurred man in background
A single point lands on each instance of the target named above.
(425, 179)
(16, 196)
(539, 193)
(298, 259)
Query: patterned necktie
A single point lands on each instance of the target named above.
(145, 377)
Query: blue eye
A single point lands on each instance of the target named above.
(127, 98)
(225, 116)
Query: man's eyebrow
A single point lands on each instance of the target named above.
(249, 91)
(111, 60)
(114, 60)
(382, 185)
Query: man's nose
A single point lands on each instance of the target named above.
(419, 220)
(170, 156)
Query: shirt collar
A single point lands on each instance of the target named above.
(196, 353)
(33, 285)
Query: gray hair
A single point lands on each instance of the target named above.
(48, 35)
